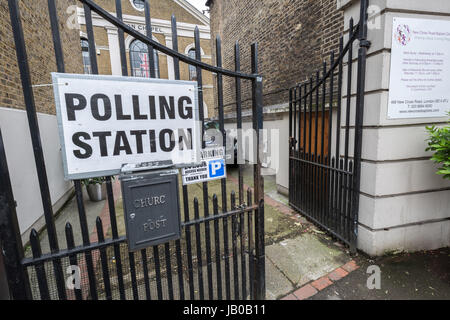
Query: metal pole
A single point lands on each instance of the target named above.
(362, 55)
(257, 87)
(33, 122)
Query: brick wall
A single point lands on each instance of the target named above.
(294, 36)
(38, 39)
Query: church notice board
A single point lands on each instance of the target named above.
(420, 69)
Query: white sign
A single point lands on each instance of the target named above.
(420, 69)
(213, 167)
(108, 121)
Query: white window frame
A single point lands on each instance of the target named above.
(136, 8)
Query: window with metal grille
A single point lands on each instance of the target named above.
(85, 55)
(140, 62)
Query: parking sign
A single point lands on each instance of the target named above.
(216, 168)
(213, 167)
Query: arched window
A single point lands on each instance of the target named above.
(85, 55)
(192, 69)
(138, 4)
(140, 62)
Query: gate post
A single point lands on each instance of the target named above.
(364, 45)
(257, 108)
(10, 239)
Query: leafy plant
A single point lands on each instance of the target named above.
(439, 142)
(97, 180)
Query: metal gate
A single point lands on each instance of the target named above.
(230, 266)
(324, 167)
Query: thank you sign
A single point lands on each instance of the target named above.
(212, 167)
(108, 121)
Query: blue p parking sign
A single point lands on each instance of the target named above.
(216, 168)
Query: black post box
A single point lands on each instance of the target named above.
(151, 208)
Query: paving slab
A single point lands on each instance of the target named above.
(69, 213)
(277, 284)
(305, 258)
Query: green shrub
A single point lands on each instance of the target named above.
(439, 143)
(89, 181)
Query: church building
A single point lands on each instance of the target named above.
(107, 41)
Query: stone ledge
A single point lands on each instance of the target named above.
(344, 4)
(428, 236)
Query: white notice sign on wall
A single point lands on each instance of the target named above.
(108, 121)
(420, 69)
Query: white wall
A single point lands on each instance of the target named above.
(278, 132)
(19, 152)
(280, 145)
(404, 205)
(282, 177)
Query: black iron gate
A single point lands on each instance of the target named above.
(324, 173)
(230, 266)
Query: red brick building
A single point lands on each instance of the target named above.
(294, 37)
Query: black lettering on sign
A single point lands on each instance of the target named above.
(162, 140)
(166, 108)
(76, 139)
(187, 108)
(119, 109)
(136, 110)
(152, 107)
(139, 134)
(71, 106)
(106, 106)
(186, 139)
(121, 144)
(101, 135)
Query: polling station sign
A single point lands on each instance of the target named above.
(107, 121)
(212, 167)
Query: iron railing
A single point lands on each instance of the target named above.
(185, 269)
(324, 173)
